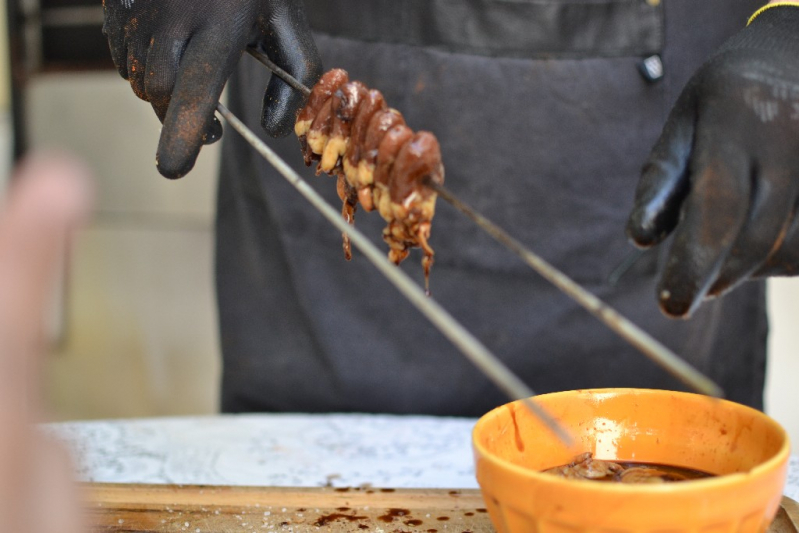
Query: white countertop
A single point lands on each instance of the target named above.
(284, 450)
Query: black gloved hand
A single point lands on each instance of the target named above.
(178, 55)
(725, 172)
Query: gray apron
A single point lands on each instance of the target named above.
(544, 121)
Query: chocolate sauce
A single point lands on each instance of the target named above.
(393, 514)
(586, 467)
(332, 517)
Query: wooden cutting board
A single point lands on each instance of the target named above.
(196, 509)
(193, 509)
(787, 519)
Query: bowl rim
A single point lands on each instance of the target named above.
(781, 456)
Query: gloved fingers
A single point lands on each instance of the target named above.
(290, 45)
(119, 50)
(784, 261)
(163, 61)
(770, 214)
(204, 70)
(664, 179)
(712, 218)
(137, 66)
(116, 43)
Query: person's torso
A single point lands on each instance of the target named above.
(544, 119)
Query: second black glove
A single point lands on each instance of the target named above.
(724, 176)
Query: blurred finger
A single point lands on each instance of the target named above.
(713, 215)
(664, 179)
(203, 73)
(290, 45)
(54, 496)
(49, 196)
(768, 220)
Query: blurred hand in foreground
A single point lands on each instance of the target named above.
(724, 176)
(49, 197)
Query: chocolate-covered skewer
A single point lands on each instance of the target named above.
(616, 322)
(491, 366)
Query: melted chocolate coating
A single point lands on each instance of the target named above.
(416, 161)
(345, 105)
(390, 146)
(347, 99)
(377, 160)
(320, 95)
(349, 204)
(585, 467)
(373, 103)
(328, 84)
(319, 132)
(381, 122)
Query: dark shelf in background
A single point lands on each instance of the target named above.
(71, 36)
(51, 36)
(75, 48)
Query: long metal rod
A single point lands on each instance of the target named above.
(640, 339)
(467, 343)
(277, 71)
(645, 343)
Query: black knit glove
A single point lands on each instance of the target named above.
(178, 54)
(725, 172)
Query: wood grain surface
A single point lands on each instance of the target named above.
(787, 519)
(197, 509)
(194, 509)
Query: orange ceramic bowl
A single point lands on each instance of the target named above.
(746, 449)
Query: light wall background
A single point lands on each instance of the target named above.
(782, 392)
(139, 334)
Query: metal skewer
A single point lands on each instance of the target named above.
(627, 330)
(645, 343)
(279, 72)
(467, 343)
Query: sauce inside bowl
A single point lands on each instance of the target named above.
(586, 467)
